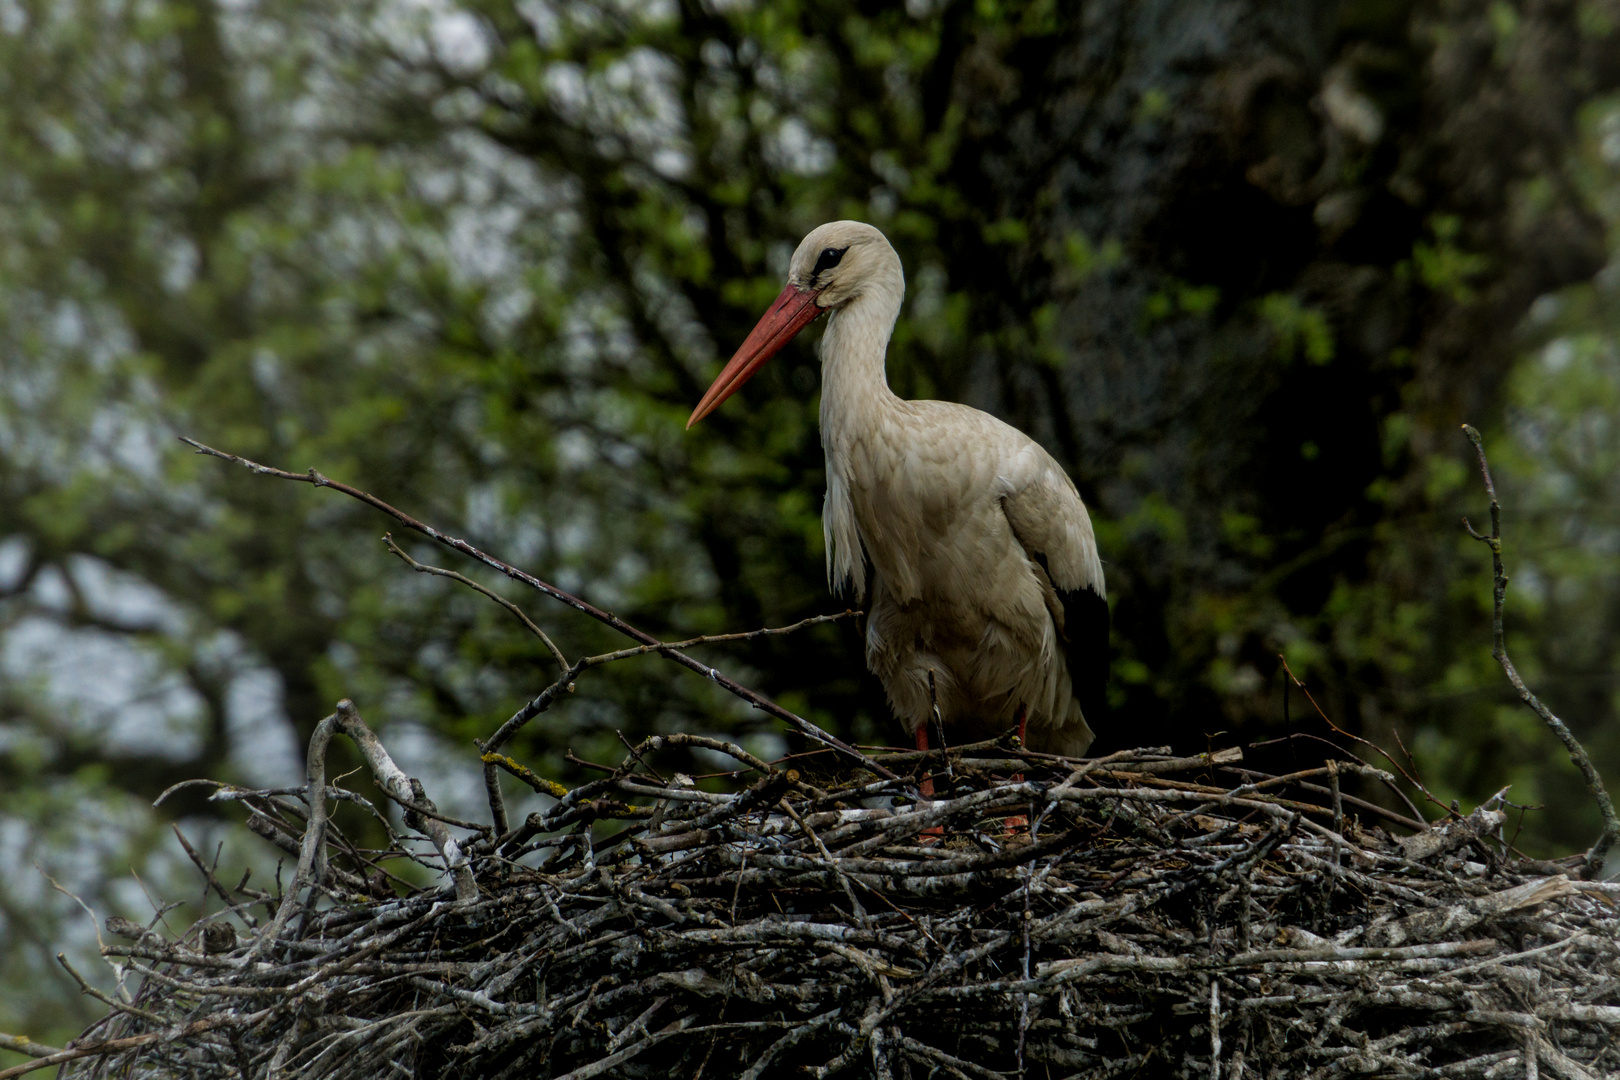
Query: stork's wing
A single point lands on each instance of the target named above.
(1051, 523)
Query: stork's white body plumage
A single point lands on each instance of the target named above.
(967, 542)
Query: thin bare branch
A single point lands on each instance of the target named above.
(1596, 855)
(24, 1045)
(652, 644)
(422, 568)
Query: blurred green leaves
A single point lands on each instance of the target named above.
(1299, 329)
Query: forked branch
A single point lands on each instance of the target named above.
(652, 644)
(421, 815)
(436, 571)
(1577, 753)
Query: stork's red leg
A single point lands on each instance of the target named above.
(925, 787)
(1019, 822)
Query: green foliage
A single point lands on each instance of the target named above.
(1443, 265)
(1298, 329)
(1086, 258)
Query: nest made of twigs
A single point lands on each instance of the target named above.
(1132, 916)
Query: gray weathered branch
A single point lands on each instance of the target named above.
(1577, 753)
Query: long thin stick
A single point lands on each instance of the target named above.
(1389, 781)
(528, 623)
(1577, 753)
(607, 618)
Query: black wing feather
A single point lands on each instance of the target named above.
(1085, 634)
(1085, 647)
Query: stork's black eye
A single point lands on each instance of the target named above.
(829, 259)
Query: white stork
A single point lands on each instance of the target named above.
(970, 541)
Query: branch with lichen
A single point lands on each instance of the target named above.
(1577, 753)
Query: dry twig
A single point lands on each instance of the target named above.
(649, 642)
(1577, 753)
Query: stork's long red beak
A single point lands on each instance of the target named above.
(791, 312)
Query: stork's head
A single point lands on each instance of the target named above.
(836, 264)
(840, 260)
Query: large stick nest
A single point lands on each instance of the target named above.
(1133, 916)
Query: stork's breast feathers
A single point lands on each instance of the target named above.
(982, 560)
(846, 559)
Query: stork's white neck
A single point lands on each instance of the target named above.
(855, 402)
(854, 387)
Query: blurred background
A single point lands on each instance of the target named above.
(1242, 267)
